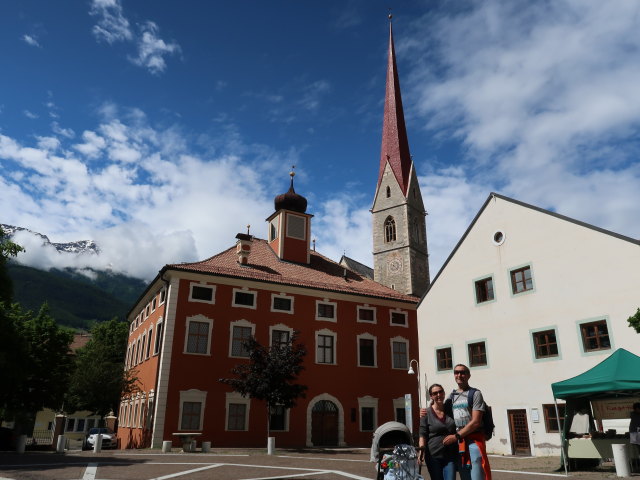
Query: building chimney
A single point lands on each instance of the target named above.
(243, 247)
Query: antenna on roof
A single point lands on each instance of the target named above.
(314, 244)
(248, 228)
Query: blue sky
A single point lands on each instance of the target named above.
(160, 129)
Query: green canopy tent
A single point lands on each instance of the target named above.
(616, 376)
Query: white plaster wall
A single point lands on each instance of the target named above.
(578, 273)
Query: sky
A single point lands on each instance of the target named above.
(161, 129)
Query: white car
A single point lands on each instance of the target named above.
(108, 438)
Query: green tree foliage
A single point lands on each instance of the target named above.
(8, 249)
(99, 378)
(271, 374)
(38, 364)
(634, 321)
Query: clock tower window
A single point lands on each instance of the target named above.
(389, 230)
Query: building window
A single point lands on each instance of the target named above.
(400, 353)
(278, 418)
(366, 314)
(146, 312)
(325, 310)
(595, 336)
(550, 418)
(399, 318)
(325, 347)
(521, 280)
(158, 343)
(366, 351)
(280, 338)
(444, 357)
(163, 294)
(240, 335)
(296, 226)
(484, 290)
(237, 416)
(190, 416)
(153, 304)
(147, 352)
(281, 303)
(545, 344)
(367, 419)
(198, 331)
(273, 229)
(389, 230)
(244, 298)
(477, 354)
(202, 293)
(401, 415)
(388, 192)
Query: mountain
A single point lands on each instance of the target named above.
(80, 246)
(74, 299)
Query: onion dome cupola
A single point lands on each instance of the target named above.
(290, 227)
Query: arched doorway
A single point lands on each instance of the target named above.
(324, 424)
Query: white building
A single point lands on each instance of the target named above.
(526, 298)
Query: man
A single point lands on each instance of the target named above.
(474, 464)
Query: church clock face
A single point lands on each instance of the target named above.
(394, 265)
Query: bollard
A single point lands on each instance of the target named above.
(60, 445)
(166, 446)
(621, 459)
(97, 445)
(271, 445)
(22, 443)
(206, 447)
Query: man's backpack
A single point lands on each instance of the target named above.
(487, 418)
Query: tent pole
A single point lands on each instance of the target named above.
(561, 432)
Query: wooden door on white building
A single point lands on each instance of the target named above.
(519, 431)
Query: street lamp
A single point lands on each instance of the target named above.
(412, 372)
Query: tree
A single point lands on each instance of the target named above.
(8, 249)
(270, 374)
(99, 379)
(634, 321)
(41, 361)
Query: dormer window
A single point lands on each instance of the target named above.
(389, 230)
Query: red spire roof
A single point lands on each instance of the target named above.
(395, 146)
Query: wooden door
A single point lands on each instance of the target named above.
(324, 424)
(519, 431)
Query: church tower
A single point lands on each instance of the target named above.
(400, 256)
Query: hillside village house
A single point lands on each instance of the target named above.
(188, 327)
(528, 297)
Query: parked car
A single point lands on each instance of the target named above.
(108, 438)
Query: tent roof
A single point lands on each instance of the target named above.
(618, 372)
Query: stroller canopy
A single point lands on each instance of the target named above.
(388, 435)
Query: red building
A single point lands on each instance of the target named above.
(188, 327)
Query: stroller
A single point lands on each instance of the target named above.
(394, 454)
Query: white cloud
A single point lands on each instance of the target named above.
(152, 49)
(65, 132)
(112, 26)
(313, 94)
(92, 146)
(31, 40)
(30, 114)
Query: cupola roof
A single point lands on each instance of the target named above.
(290, 200)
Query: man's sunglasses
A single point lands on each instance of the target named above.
(460, 372)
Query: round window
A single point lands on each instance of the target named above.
(498, 237)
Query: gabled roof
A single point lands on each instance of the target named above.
(395, 145)
(264, 266)
(356, 266)
(531, 207)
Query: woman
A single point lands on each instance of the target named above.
(435, 426)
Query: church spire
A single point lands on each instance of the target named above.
(395, 146)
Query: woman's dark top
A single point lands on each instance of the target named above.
(434, 429)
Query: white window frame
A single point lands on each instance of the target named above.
(235, 397)
(367, 307)
(304, 223)
(327, 332)
(143, 342)
(162, 297)
(335, 311)
(279, 326)
(405, 341)
(369, 402)
(281, 295)
(202, 319)
(147, 350)
(157, 341)
(239, 323)
(244, 290)
(402, 312)
(368, 336)
(192, 395)
(204, 285)
(274, 226)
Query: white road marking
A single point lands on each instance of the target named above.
(187, 472)
(90, 472)
(530, 473)
(330, 459)
(293, 475)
